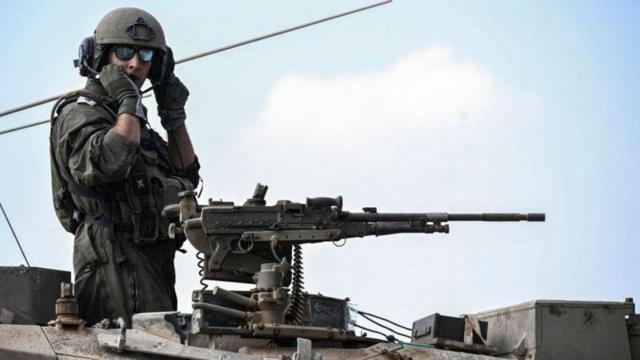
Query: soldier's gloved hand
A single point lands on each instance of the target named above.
(118, 85)
(171, 95)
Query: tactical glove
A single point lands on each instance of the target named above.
(171, 96)
(118, 85)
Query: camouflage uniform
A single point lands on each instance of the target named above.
(122, 258)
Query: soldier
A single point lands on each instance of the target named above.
(112, 174)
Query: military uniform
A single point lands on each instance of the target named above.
(123, 258)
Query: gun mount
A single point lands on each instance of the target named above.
(253, 242)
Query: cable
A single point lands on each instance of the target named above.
(280, 32)
(30, 105)
(24, 126)
(201, 186)
(384, 327)
(200, 265)
(390, 338)
(274, 252)
(425, 346)
(18, 128)
(14, 235)
(383, 319)
(240, 249)
(214, 51)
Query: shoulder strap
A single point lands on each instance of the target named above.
(101, 101)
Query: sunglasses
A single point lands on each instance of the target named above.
(125, 53)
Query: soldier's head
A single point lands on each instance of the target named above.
(131, 38)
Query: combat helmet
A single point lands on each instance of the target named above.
(128, 26)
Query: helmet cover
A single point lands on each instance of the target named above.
(127, 26)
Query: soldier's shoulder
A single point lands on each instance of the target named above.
(83, 111)
(82, 106)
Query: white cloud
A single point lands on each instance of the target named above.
(427, 111)
(423, 92)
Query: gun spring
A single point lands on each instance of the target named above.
(296, 309)
(200, 265)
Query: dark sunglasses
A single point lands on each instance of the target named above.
(125, 53)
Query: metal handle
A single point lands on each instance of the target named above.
(325, 202)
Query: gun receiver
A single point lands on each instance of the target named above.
(236, 240)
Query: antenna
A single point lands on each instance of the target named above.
(14, 235)
(194, 57)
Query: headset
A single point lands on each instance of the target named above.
(85, 57)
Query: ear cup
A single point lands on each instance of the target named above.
(85, 56)
(162, 66)
(168, 64)
(156, 68)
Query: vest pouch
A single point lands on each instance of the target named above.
(145, 226)
(150, 155)
(145, 216)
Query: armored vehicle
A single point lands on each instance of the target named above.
(261, 244)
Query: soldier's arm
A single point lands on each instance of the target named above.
(89, 147)
(128, 126)
(130, 112)
(182, 155)
(180, 148)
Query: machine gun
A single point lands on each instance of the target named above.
(253, 243)
(222, 230)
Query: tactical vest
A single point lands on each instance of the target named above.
(145, 191)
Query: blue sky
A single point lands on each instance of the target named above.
(418, 105)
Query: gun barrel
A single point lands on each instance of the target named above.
(443, 217)
(497, 217)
